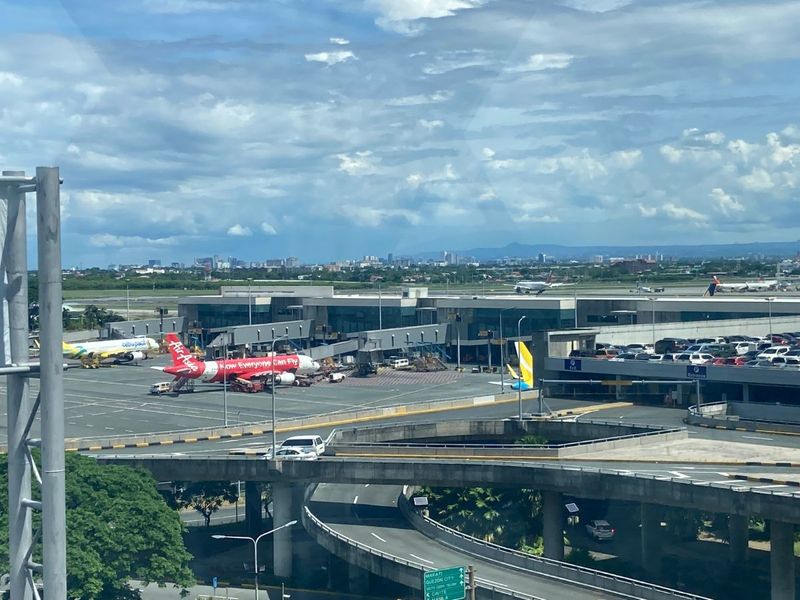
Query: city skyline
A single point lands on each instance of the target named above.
(325, 130)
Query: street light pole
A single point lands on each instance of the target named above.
(519, 355)
(225, 378)
(127, 302)
(502, 362)
(249, 301)
(769, 306)
(272, 389)
(255, 547)
(380, 308)
(653, 319)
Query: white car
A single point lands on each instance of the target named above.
(305, 442)
(772, 352)
(699, 358)
(600, 530)
(291, 453)
(744, 347)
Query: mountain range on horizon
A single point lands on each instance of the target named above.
(561, 252)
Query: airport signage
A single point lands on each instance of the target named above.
(572, 364)
(696, 372)
(444, 584)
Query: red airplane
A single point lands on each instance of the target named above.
(280, 369)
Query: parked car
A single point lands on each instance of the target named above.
(670, 345)
(759, 363)
(743, 346)
(624, 356)
(606, 353)
(663, 358)
(701, 358)
(785, 360)
(772, 351)
(291, 453)
(600, 530)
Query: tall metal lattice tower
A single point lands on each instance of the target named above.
(27, 578)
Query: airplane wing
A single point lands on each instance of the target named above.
(552, 285)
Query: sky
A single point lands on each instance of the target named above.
(334, 129)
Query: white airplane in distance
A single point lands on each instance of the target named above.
(643, 289)
(91, 354)
(537, 287)
(762, 286)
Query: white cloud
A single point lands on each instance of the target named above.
(596, 6)
(399, 15)
(488, 153)
(268, 228)
(725, 203)
(681, 213)
(542, 62)
(417, 179)
(672, 154)
(742, 149)
(10, 79)
(434, 98)
(527, 218)
(647, 211)
(430, 125)
(339, 41)
(182, 7)
(360, 163)
(626, 159)
(375, 217)
(107, 240)
(487, 195)
(239, 230)
(757, 181)
(331, 58)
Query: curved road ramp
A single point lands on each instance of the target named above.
(371, 531)
(746, 416)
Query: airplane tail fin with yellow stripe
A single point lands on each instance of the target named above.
(525, 364)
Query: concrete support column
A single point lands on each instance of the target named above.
(285, 508)
(738, 538)
(745, 392)
(252, 508)
(618, 388)
(357, 580)
(651, 538)
(553, 525)
(781, 560)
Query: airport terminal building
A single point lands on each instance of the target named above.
(480, 330)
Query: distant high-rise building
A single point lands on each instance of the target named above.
(542, 258)
(292, 262)
(154, 262)
(597, 259)
(390, 259)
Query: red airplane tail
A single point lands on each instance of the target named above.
(180, 353)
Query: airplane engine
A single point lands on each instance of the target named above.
(285, 378)
(135, 356)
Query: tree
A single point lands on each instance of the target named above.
(118, 528)
(206, 497)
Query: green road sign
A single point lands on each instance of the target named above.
(444, 584)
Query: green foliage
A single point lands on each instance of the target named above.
(95, 317)
(118, 528)
(509, 517)
(206, 497)
(532, 440)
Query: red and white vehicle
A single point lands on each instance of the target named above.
(283, 369)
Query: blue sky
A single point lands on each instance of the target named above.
(329, 129)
